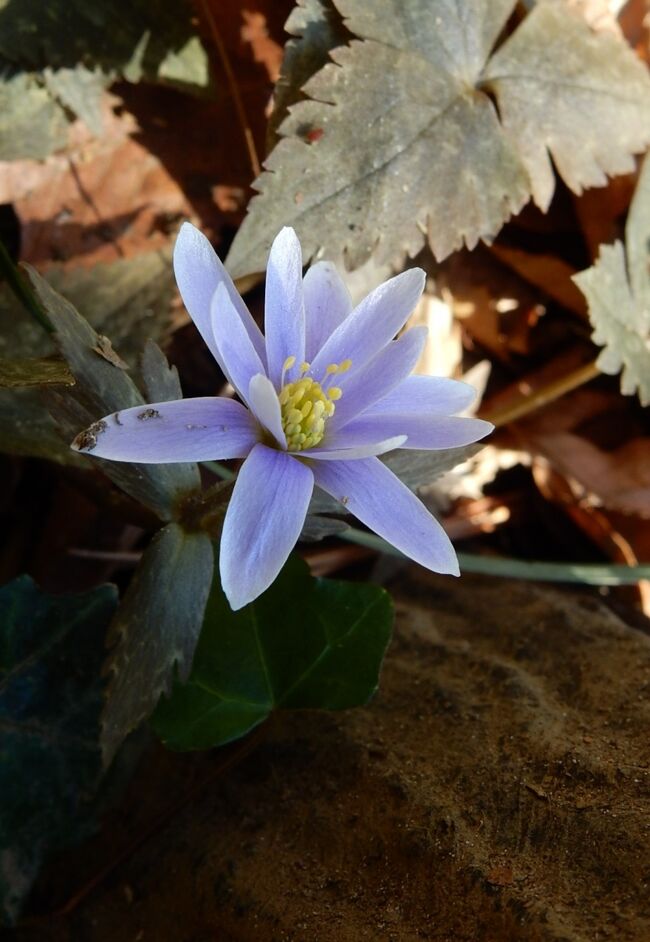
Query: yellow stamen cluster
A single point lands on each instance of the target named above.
(306, 405)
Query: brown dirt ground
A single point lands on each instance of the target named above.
(497, 790)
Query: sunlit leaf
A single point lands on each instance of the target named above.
(156, 629)
(617, 289)
(421, 132)
(57, 58)
(32, 123)
(304, 643)
(41, 371)
(317, 28)
(80, 91)
(51, 648)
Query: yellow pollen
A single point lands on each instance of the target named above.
(307, 404)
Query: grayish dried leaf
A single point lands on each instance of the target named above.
(400, 141)
(617, 289)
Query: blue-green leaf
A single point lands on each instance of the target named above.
(305, 643)
(156, 627)
(51, 648)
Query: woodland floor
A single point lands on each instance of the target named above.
(496, 790)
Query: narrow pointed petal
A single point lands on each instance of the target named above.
(356, 451)
(434, 394)
(199, 272)
(263, 522)
(236, 348)
(422, 431)
(203, 429)
(284, 312)
(265, 404)
(373, 322)
(388, 368)
(327, 304)
(370, 491)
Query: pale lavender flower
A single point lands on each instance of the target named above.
(324, 392)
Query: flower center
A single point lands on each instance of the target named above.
(306, 404)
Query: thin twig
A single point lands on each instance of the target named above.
(234, 90)
(87, 197)
(543, 396)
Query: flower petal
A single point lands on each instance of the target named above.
(358, 451)
(327, 304)
(203, 429)
(370, 491)
(422, 431)
(284, 313)
(199, 272)
(240, 358)
(373, 322)
(263, 522)
(385, 370)
(420, 394)
(265, 404)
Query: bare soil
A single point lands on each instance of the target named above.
(496, 790)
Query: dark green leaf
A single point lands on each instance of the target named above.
(160, 380)
(155, 40)
(156, 628)
(617, 289)
(128, 300)
(401, 141)
(41, 371)
(304, 643)
(27, 428)
(103, 387)
(51, 649)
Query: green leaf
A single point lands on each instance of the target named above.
(41, 371)
(50, 698)
(617, 289)
(129, 300)
(103, 387)
(304, 643)
(156, 628)
(427, 153)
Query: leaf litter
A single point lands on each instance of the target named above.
(565, 479)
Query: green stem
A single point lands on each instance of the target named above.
(220, 470)
(582, 573)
